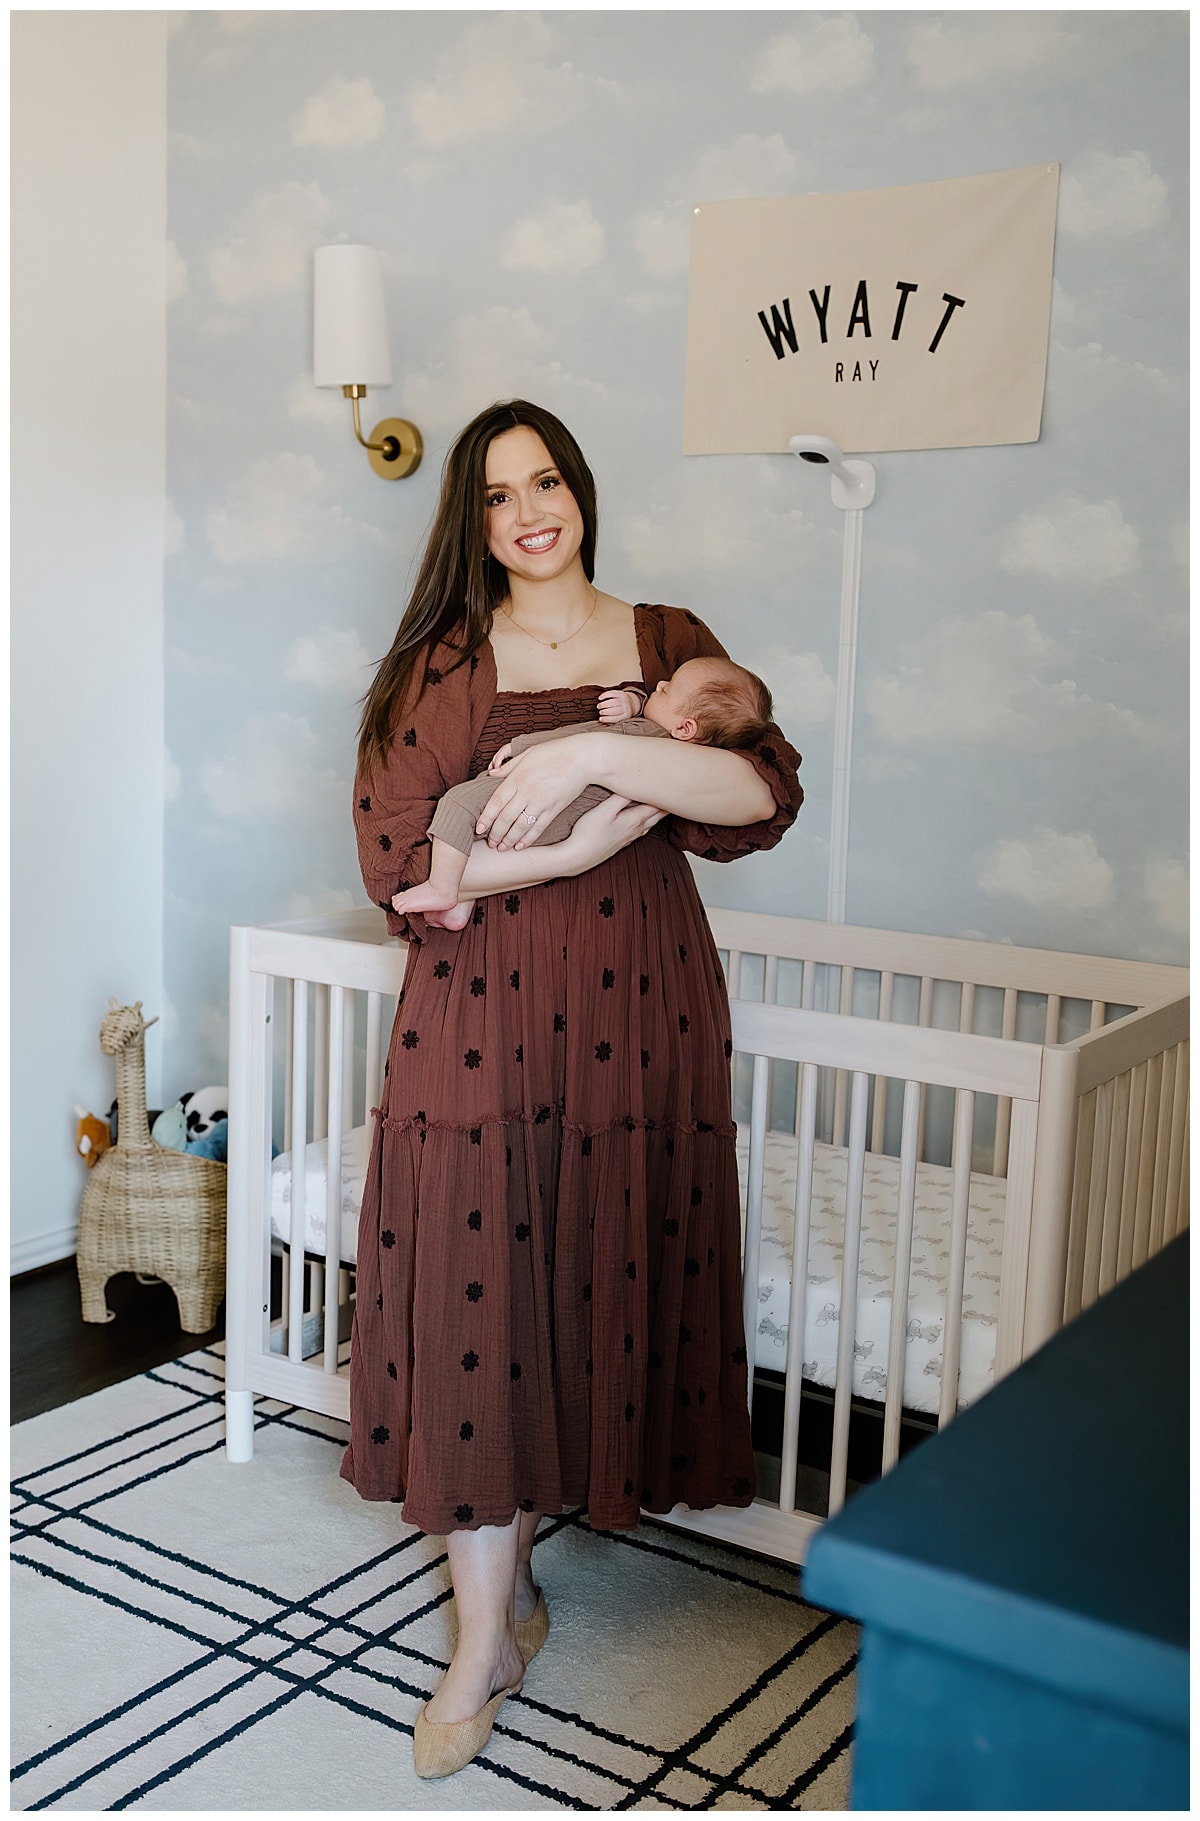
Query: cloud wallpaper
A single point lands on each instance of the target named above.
(1021, 715)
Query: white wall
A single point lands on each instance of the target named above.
(89, 143)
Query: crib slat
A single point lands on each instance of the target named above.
(845, 1006)
(898, 1324)
(1096, 1195)
(297, 1134)
(1008, 1030)
(808, 985)
(733, 973)
(320, 1058)
(1098, 1010)
(1053, 1017)
(374, 1067)
(333, 1173)
(1132, 1170)
(924, 1019)
(798, 1299)
(1162, 1151)
(1178, 1133)
(960, 1193)
(1018, 1235)
(848, 1310)
(754, 1194)
(1145, 1186)
(966, 1007)
(1115, 1182)
(1081, 1188)
(348, 1063)
(879, 1114)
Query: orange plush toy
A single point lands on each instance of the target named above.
(92, 1137)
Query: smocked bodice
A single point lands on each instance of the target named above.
(537, 711)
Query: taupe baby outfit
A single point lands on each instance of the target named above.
(462, 805)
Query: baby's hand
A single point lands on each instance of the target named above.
(618, 705)
(499, 757)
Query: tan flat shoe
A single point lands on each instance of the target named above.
(531, 1633)
(440, 1748)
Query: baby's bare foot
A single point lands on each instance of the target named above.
(457, 917)
(427, 897)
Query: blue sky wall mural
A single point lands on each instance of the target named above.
(1021, 720)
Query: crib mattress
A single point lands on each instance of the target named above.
(927, 1281)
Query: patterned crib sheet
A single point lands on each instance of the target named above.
(881, 1178)
(925, 1321)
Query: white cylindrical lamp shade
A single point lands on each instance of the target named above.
(350, 338)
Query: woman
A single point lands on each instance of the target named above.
(548, 1305)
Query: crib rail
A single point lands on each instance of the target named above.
(962, 1056)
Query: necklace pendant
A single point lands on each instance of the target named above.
(554, 644)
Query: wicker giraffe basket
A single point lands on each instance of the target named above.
(157, 1212)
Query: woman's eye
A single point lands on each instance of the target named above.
(495, 499)
(550, 481)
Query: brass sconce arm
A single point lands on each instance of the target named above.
(394, 447)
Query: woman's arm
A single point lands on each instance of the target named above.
(705, 783)
(491, 870)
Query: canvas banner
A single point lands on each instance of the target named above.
(909, 318)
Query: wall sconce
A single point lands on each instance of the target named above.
(350, 349)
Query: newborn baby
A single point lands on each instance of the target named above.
(708, 701)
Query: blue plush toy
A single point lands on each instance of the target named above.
(213, 1143)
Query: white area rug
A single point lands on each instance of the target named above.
(190, 1635)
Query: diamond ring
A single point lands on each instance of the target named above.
(530, 817)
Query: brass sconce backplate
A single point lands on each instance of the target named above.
(402, 448)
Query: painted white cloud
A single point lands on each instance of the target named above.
(564, 237)
(172, 778)
(271, 244)
(340, 113)
(747, 166)
(701, 520)
(234, 42)
(485, 355)
(1167, 890)
(498, 76)
(662, 243)
(952, 49)
(306, 403)
(990, 679)
(278, 511)
(1073, 540)
(1103, 194)
(829, 53)
(271, 767)
(176, 274)
(1048, 870)
(324, 901)
(805, 694)
(173, 529)
(332, 657)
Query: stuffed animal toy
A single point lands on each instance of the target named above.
(213, 1144)
(92, 1137)
(114, 1119)
(170, 1129)
(202, 1110)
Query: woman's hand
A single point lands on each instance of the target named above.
(539, 782)
(605, 830)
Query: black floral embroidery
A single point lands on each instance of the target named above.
(741, 1486)
(587, 1293)
(711, 1255)
(471, 1059)
(710, 853)
(519, 1053)
(514, 1371)
(526, 1504)
(683, 1021)
(643, 903)
(690, 617)
(627, 1198)
(738, 1356)
(670, 1228)
(441, 969)
(469, 1361)
(514, 979)
(387, 1239)
(608, 978)
(475, 1219)
(391, 1368)
(629, 1343)
(728, 1048)
(466, 1431)
(385, 841)
(464, 1513)
(384, 903)
(685, 1335)
(682, 952)
(435, 676)
(702, 1125)
(607, 907)
(410, 736)
(585, 1148)
(603, 1052)
(645, 1059)
(475, 1134)
(386, 1066)
(512, 904)
(379, 1300)
(697, 1194)
(521, 1231)
(692, 1266)
(670, 1144)
(475, 1291)
(644, 984)
(410, 1040)
(629, 1489)
(560, 1021)
(478, 986)
(364, 803)
(631, 1270)
(629, 1413)
(767, 755)
(541, 1116)
(507, 1154)
(654, 1361)
(379, 1434)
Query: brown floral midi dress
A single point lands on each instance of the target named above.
(548, 1307)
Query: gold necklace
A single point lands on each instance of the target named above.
(554, 643)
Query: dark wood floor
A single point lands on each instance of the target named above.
(55, 1356)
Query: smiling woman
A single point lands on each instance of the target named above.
(560, 1325)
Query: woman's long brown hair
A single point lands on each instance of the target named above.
(460, 583)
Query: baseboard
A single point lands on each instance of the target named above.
(42, 1249)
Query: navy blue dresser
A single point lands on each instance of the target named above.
(1022, 1579)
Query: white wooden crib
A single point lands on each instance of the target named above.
(872, 1070)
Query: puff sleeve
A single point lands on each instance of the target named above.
(394, 805)
(684, 636)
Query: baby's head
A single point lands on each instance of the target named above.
(712, 702)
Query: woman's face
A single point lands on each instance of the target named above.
(532, 524)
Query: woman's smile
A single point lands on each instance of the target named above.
(536, 541)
